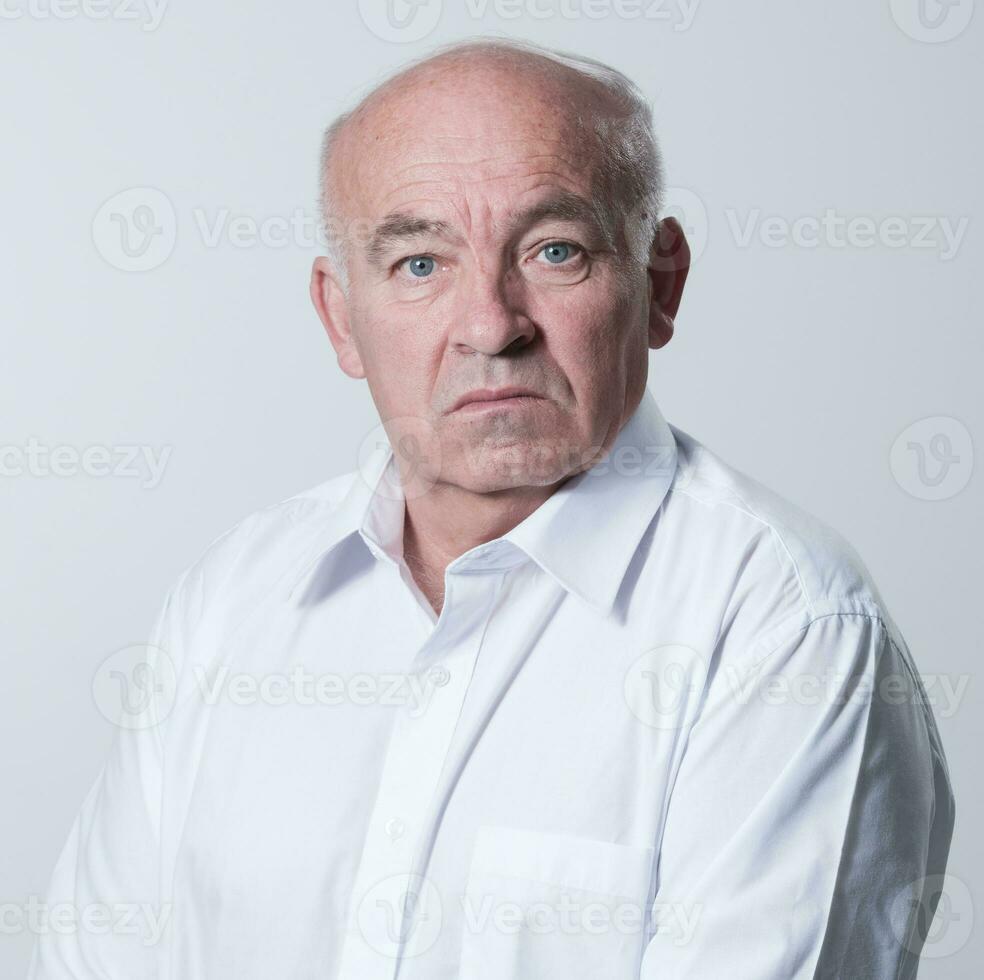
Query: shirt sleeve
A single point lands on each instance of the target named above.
(105, 911)
(810, 821)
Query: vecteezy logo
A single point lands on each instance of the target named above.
(933, 21)
(663, 686)
(933, 459)
(401, 916)
(934, 914)
(135, 687)
(400, 21)
(689, 210)
(417, 458)
(135, 230)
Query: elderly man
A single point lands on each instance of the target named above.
(543, 688)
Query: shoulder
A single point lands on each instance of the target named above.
(802, 622)
(252, 554)
(785, 565)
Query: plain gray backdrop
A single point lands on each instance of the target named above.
(158, 187)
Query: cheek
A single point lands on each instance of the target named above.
(589, 332)
(386, 333)
(399, 352)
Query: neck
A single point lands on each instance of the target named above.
(442, 524)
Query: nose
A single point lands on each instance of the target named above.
(490, 319)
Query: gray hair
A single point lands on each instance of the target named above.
(632, 170)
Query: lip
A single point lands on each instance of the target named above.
(492, 397)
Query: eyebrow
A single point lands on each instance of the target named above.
(400, 226)
(563, 206)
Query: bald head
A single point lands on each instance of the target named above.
(474, 93)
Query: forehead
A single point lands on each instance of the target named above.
(472, 135)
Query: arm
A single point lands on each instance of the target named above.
(107, 910)
(811, 804)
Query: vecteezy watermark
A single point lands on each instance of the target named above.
(401, 916)
(945, 693)
(514, 463)
(37, 459)
(404, 21)
(662, 687)
(937, 233)
(934, 915)
(417, 461)
(932, 21)
(299, 686)
(571, 914)
(828, 228)
(400, 21)
(933, 459)
(300, 228)
(39, 918)
(420, 452)
(135, 687)
(136, 230)
(679, 14)
(688, 208)
(149, 13)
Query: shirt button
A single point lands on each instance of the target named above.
(439, 675)
(395, 828)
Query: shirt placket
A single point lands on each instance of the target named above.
(395, 912)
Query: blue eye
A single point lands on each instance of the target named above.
(420, 265)
(557, 252)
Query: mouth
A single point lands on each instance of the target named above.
(496, 399)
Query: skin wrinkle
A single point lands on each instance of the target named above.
(493, 310)
(399, 227)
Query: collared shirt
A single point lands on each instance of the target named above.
(663, 728)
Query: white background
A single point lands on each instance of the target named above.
(800, 361)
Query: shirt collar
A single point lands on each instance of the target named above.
(584, 535)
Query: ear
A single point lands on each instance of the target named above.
(669, 263)
(330, 301)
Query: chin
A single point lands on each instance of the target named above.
(486, 468)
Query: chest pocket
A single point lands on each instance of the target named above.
(541, 905)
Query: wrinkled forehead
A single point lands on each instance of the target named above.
(428, 168)
(483, 140)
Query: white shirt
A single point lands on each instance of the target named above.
(663, 728)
